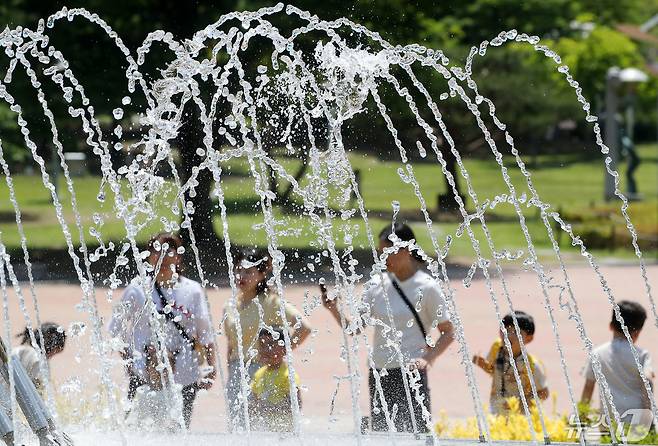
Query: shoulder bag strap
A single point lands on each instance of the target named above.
(397, 287)
(170, 317)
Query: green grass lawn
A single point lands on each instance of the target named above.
(569, 183)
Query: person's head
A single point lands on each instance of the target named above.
(634, 316)
(252, 268)
(54, 338)
(526, 327)
(271, 347)
(403, 257)
(165, 245)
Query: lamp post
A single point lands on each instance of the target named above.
(615, 78)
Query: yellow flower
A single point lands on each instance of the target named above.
(511, 426)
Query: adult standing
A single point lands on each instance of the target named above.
(256, 307)
(183, 313)
(403, 304)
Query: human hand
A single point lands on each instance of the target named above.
(128, 361)
(329, 304)
(419, 364)
(207, 380)
(479, 361)
(205, 383)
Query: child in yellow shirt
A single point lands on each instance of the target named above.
(498, 365)
(270, 406)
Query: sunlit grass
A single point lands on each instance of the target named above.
(570, 184)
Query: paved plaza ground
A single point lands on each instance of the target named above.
(318, 360)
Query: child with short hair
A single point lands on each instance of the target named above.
(618, 363)
(270, 406)
(54, 339)
(498, 365)
(154, 406)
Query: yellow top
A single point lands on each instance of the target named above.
(504, 383)
(272, 385)
(263, 310)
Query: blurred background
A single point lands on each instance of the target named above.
(531, 97)
(611, 49)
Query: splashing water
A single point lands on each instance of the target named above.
(302, 100)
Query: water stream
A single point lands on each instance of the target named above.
(298, 94)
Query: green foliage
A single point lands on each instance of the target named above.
(530, 96)
(517, 80)
(610, 12)
(522, 82)
(12, 149)
(590, 58)
(556, 178)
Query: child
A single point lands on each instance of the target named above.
(497, 364)
(155, 406)
(270, 407)
(54, 338)
(618, 364)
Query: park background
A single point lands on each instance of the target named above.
(531, 97)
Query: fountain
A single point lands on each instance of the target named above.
(304, 99)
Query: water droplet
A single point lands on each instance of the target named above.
(117, 113)
(421, 149)
(77, 328)
(469, 276)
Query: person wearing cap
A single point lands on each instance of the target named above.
(404, 305)
(254, 308)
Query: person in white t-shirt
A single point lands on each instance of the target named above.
(619, 368)
(404, 304)
(186, 333)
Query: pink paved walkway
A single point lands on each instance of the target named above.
(318, 361)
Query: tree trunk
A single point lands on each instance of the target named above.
(447, 201)
(190, 138)
(285, 196)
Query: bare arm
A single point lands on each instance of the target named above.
(151, 367)
(588, 391)
(209, 354)
(483, 364)
(332, 305)
(445, 339)
(122, 315)
(300, 335)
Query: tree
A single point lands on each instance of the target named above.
(93, 60)
(590, 57)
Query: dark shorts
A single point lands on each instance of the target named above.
(396, 396)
